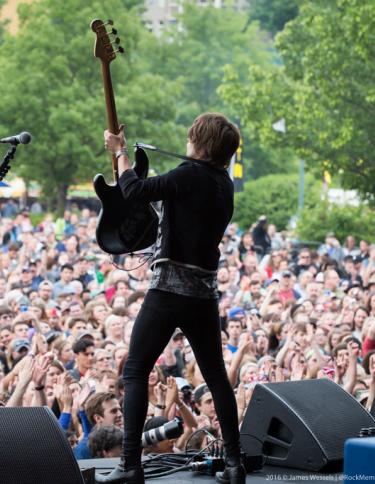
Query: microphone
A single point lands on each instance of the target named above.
(170, 430)
(23, 138)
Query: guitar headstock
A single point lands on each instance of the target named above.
(105, 41)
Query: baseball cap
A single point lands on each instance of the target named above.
(20, 344)
(51, 335)
(67, 291)
(286, 274)
(177, 333)
(275, 278)
(237, 311)
(352, 285)
(84, 334)
(182, 383)
(200, 391)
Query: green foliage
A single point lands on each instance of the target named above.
(3, 23)
(52, 87)
(275, 196)
(36, 218)
(194, 54)
(273, 14)
(325, 91)
(264, 162)
(195, 51)
(315, 222)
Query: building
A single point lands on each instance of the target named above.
(9, 11)
(158, 13)
(161, 13)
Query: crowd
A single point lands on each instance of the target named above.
(287, 312)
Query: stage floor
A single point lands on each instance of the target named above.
(267, 475)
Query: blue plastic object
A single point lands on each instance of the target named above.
(359, 460)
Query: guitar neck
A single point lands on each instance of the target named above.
(111, 110)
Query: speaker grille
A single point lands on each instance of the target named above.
(34, 450)
(331, 414)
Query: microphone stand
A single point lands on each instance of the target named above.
(5, 167)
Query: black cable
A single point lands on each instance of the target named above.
(167, 464)
(195, 433)
(168, 473)
(146, 255)
(164, 462)
(202, 450)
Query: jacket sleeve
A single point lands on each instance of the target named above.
(64, 420)
(163, 187)
(86, 425)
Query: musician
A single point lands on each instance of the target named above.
(197, 205)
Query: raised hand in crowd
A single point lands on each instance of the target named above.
(42, 365)
(351, 372)
(160, 391)
(298, 369)
(25, 375)
(246, 347)
(66, 397)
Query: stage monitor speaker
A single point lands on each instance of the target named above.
(302, 424)
(34, 449)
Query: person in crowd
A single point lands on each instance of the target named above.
(114, 328)
(101, 410)
(64, 283)
(85, 356)
(261, 239)
(106, 442)
(327, 330)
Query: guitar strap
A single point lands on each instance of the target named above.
(205, 163)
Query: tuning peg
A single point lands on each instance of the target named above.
(113, 31)
(120, 49)
(109, 22)
(116, 41)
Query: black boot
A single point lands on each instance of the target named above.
(234, 472)
(121, 475)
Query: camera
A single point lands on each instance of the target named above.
(170, 430)
(186, 394)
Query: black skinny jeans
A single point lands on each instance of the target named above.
(160, 314)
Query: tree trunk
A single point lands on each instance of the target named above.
(62, 192)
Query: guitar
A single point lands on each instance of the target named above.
(122, 227)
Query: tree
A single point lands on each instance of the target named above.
(315, 222)
(273, 14)
(3, 23)
(194, 53)
(52, 87)
(275, 196)
(196, 49)
(324, 90)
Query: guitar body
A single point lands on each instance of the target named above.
(125, 227)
